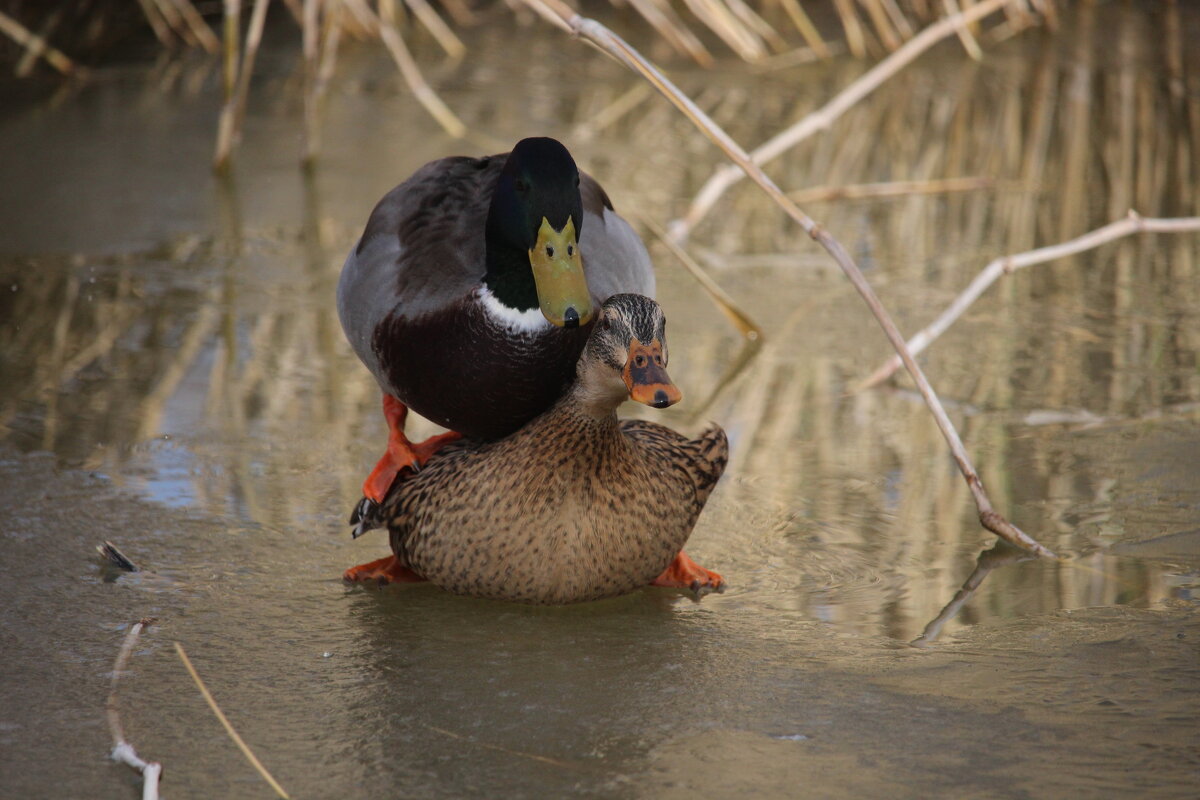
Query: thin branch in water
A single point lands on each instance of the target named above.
(123, 751)
(233, 734)
(998, 268)
(725, 177)
(615, 46)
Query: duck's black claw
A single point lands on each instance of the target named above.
(362, 517)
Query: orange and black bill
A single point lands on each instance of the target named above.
(646, 376)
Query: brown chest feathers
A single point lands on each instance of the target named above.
(569, 508)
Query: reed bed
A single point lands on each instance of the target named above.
(871, 29)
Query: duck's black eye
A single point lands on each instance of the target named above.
(522, 185)
(640, 361)
(549, 251)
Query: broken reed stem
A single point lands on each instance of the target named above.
(612, 44)
(123, 751)
(725, 177)
(233, 734)
(998, 268)
(37, 44)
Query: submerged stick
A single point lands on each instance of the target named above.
(123, 751)
(725, 177)
(233, 734)
(998, 268)
(612, 44)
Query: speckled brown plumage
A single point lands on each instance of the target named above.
(576, 505)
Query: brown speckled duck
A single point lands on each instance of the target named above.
(576, 505)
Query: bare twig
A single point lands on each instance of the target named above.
(725, 177)
(233, 734)
(1133, 223)
(123, 751)
(612, 44)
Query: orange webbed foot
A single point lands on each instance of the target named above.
(383, 571)
(401, 454)
(683, 573)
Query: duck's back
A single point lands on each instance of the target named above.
(552, 516)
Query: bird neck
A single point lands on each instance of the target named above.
(509, 275)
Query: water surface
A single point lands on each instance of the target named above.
(175, 380)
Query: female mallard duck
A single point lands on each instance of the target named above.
(576, 505)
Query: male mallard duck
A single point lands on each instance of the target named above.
(576, 505)
(470, 295)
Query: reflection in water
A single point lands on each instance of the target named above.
(998, 556)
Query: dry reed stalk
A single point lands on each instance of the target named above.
(725, 177)
(196, 27)
(612, 44)
(310, 29)
(237, 76)
(721, 21)
(411, 73)
(963, 31)
(747, 327)
(162, 31)
(123, 751)
(437, 26)
(883, 24)
(1006, 265)
(34, 43)
(663, 19)
(856, 38)
(613, 112)
(861, 191)
(812, 37)
(32, 54)
(233, 734)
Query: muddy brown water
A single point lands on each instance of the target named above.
(175, 380)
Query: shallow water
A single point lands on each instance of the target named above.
(175, 380)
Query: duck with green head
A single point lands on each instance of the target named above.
(471, 293)
(576, 505)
